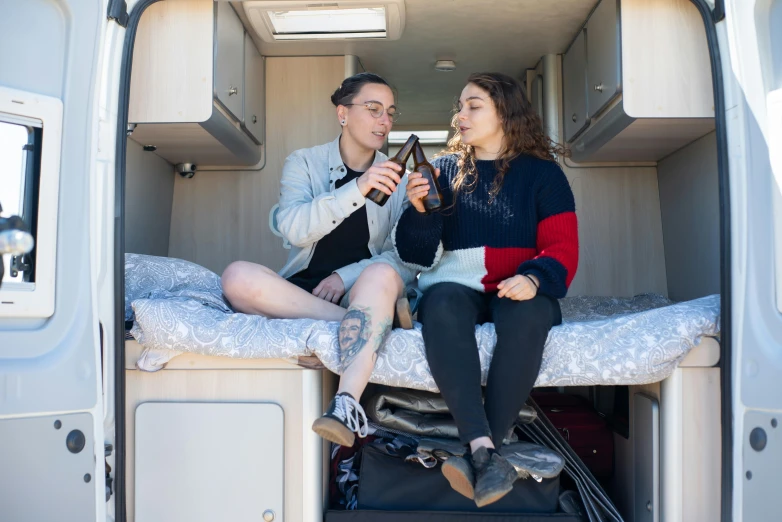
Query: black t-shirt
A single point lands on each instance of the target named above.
(345, 245)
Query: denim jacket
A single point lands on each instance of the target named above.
(311, 207)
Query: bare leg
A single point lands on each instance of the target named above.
(255, 289)
(361, 332)
(366, 324)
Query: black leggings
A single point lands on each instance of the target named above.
(449, 313)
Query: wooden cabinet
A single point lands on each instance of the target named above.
(604, 79)
(254, 90)
(575, 87)
(187, 457)
(637, 82)
(196, 90)
(229, 62)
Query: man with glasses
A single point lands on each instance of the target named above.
(342, 265)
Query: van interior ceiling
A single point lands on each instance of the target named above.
(219, 97)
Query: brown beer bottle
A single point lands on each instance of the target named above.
(433, 200)
(400, 158)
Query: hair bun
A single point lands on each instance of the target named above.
(337, 96)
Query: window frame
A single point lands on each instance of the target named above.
(35, 299)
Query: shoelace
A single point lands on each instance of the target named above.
(351, 412)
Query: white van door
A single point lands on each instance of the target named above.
(52, 463)
(752, 72)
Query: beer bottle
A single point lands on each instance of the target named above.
(400, 158)
(433, 200)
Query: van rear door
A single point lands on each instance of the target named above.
(52, 464)
(752, 72)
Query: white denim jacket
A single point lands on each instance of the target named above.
(311, 207)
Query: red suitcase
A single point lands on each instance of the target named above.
(583, 428)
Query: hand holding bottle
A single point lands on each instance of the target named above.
(418, 189)
(383, 177)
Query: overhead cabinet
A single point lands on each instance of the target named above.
(637, 81)
(197, 83)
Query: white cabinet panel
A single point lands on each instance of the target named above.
(254, 97)
(574, 84)
(603, 52)
(202, 462)
(229, 59)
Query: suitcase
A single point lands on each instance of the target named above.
(584, 429)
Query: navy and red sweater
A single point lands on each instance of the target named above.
(529, 228)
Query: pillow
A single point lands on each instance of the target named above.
(148, 277)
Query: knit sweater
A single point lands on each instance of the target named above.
(530, 228)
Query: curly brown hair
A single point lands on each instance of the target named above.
(523, 130)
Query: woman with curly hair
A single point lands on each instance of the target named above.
(504, 250)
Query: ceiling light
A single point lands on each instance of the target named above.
(275, 20)
(444, 65)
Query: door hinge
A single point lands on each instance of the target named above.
(118, 11)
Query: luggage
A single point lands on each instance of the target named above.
(585, 430)
(388, 482)
(597, 505)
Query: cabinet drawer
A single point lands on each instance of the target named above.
(603, 56)
(229, 59)
(253, 90)
(575, 87)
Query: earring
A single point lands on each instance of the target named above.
(343, 122)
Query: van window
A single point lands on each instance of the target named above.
(19, 188)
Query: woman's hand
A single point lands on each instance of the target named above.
(330, 289)
(518, 288)
(383, 176)
(418, 188)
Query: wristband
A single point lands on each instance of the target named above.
(537, 287)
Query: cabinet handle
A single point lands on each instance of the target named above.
(232, 91)
(575, 118)
(599, 88)
(255, 119)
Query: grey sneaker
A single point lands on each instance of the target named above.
(342, 419)
(403, 317)
(459, 472)
(494, 476)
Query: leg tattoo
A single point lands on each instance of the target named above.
(355, 332)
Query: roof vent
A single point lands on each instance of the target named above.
(278, 20)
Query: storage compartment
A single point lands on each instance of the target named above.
(201, 461)
(647, 78)
(575, 84)
(603, 67)
(196, 91)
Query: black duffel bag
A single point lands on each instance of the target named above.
(368, 515)
(388, 482)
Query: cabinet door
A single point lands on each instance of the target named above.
(574, 80)
(254, 95)
(229, 59)
(603, 56)
(209, 461)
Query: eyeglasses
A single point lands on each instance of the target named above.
(377, 110)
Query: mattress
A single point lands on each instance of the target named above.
(177, 307)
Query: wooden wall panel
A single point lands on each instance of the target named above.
(620, 231)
